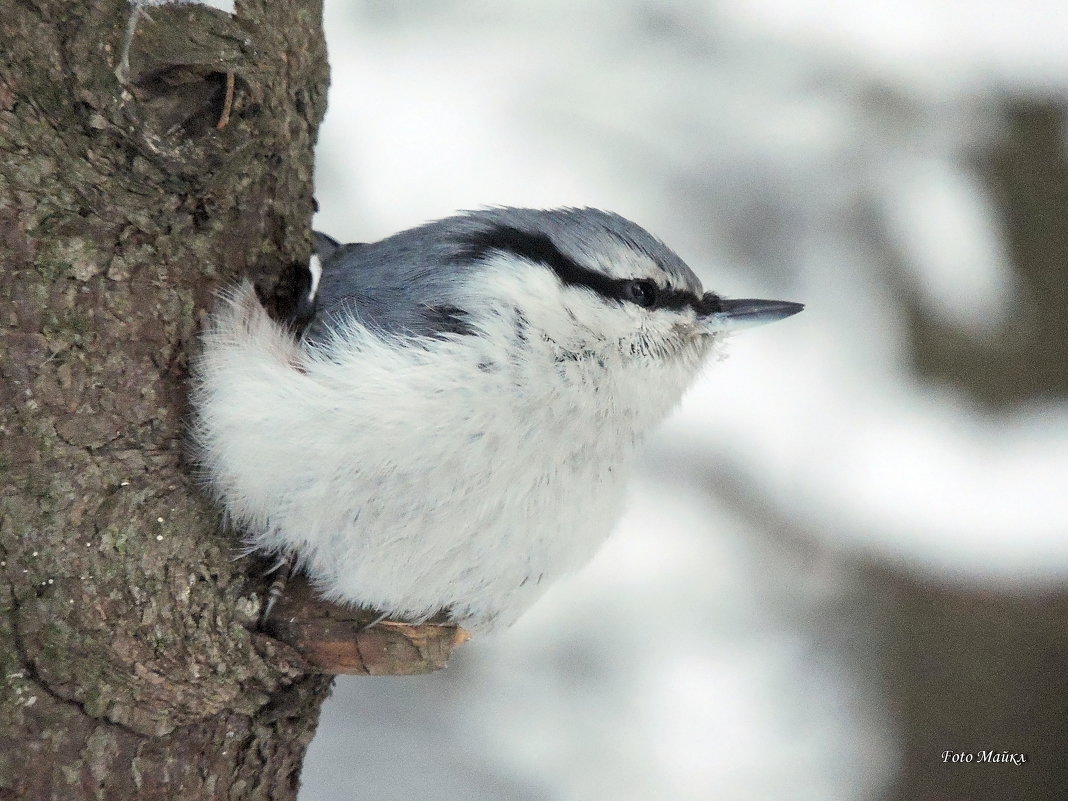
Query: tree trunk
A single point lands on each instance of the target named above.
(130, 189)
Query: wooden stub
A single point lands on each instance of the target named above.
(335, 639)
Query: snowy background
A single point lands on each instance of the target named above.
(726, 642)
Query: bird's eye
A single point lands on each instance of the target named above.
(641, 292)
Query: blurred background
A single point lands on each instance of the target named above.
(847, 551)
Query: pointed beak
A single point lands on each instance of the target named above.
(734, 315)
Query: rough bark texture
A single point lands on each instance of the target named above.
(130, 666)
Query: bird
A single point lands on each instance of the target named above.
(447, 421)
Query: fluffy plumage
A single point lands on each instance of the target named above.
(454, 428)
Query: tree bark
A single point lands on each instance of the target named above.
(130, 661)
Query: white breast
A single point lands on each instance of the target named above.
(411, 480)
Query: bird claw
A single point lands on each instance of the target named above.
(285, 568)
(374, 622)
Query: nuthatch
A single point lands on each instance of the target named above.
(452, 425)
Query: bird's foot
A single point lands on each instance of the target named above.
(285, 570)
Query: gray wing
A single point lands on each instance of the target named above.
(406, 284)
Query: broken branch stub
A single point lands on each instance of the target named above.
(335, 639)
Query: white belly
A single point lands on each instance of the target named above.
(481, 534)
(413, 482)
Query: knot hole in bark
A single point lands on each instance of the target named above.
(188, 101)
(181, 68)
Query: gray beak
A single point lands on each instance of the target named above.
(734, 315)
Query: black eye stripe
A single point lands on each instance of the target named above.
(709, 304)
(540, 248)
